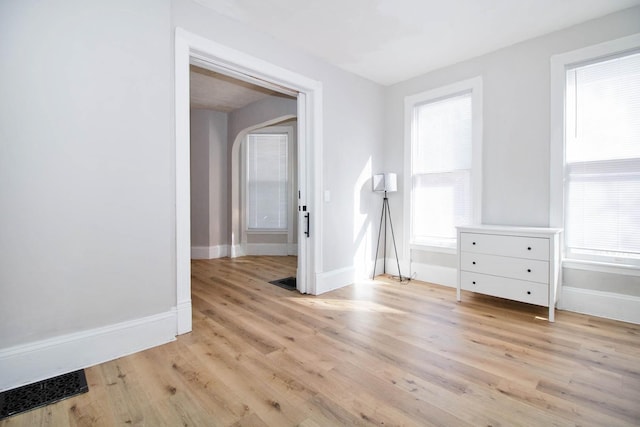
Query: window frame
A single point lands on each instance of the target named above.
(288, 229)
(411, 102)
(557, 193)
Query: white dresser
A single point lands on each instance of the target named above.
(517, 263)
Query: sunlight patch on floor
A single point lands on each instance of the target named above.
(344, 305)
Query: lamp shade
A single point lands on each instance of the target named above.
(385, 182)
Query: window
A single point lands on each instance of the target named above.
(444, 162)
(602, 160)
(267, 181)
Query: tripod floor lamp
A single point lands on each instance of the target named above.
(387, 183)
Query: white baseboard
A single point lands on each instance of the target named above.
(445, 276)
(268, 249)
(334, 279)
(28, 363)
(602, 304)
(272, 249)
(209, 252)
(391, 267)
(237, 251)
(184, 318)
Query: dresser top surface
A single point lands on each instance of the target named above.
(508, 229)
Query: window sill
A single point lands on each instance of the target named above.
(267, 231)
(603, 267)
(432, 248)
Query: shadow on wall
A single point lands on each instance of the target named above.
(363, 221)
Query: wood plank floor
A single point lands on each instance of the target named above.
(380, 353)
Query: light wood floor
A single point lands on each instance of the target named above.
(380, 353)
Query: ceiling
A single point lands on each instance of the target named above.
(215, 91)
(388, 41)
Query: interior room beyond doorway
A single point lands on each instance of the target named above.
(224, 114)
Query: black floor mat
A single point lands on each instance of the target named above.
(42, 393)
(288, 283)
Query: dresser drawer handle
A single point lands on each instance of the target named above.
(473, 283)
(474, 263)
(473, 243)
(528, 270)
(529, 248)
(528, 292)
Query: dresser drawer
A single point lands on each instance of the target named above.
(515, 268)
(512, 246)
(518, 290)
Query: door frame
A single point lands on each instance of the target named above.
(188, 47)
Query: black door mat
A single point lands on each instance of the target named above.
(288, 283)
(42, 393)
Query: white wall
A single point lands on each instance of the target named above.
(351, 156)
(199, 177)
(86, 179)
(258, 112)
(516, 88)
(209, 178)
(85, 166)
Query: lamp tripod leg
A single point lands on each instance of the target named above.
(375, 260)
(393, 237)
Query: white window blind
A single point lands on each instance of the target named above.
(441, 161)
(267, 180)
(602, 155)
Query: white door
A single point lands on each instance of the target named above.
(304, 216)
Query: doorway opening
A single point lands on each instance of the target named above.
(195, 50)
(244, 168)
